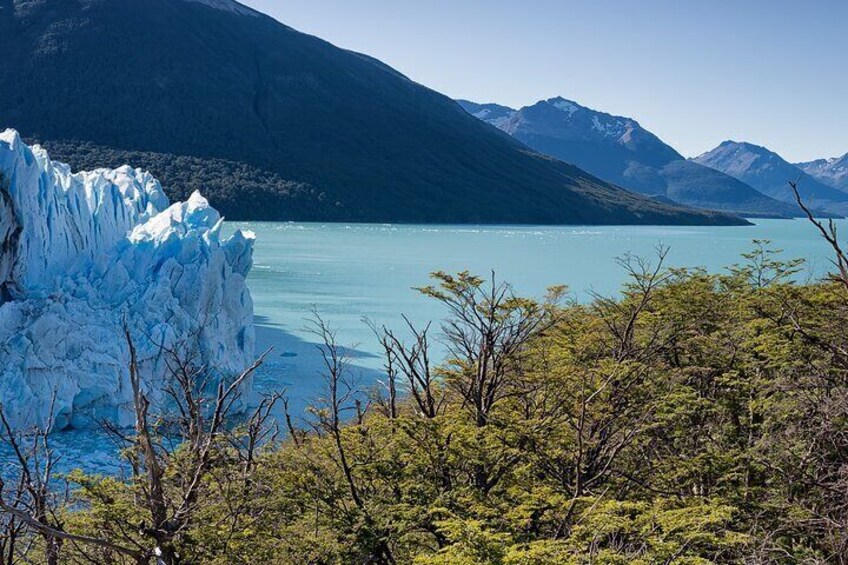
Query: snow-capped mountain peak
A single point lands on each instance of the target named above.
(769, 173)
(619, 150)
(566, 106)
(567, 121)
(738, 158)
(832, 172)
(592, 124)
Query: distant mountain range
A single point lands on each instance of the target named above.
(769, 173)
(619, 150)
(832, 172)
(236, 94)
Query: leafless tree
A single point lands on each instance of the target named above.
(200, 430)
(828, 232)
(823, 396)
(199, 424)
(33, 506)
(412, 363)
(33, 501)
(486, 332)
(329, 419)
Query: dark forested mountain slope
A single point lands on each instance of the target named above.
(211, 79)
(244, 191)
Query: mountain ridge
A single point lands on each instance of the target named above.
(192, 79)
(832, 172)
(768, 172)
(229, 6)
(619, 150)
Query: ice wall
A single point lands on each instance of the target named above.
(84, 254)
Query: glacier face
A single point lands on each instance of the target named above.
(85, 254)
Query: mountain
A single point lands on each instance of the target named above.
(619, 150)
(832, 172)
(769, 173)
(215, 80)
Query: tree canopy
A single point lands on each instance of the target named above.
(695, 418)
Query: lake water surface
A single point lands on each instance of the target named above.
(352, 272)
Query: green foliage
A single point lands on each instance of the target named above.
(695, 419)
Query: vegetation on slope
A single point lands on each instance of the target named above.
(696, 418)
(240, 190)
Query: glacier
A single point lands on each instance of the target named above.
(85, 255)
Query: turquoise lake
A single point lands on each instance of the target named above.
(352, 272)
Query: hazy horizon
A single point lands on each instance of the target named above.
(695, 74)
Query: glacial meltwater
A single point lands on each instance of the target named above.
(349, 273)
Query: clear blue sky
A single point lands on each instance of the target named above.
(773, 72)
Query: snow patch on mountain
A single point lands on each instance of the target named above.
(616, 129)
(566, 106)
(584, 123)
(769, 173)
(500, 120)
(736, 158)
(619, 150)
(832, 172)
(502, 117)
(85, 255)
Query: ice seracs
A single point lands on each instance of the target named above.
(86, 254)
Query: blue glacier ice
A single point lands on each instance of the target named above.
(85, 254)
